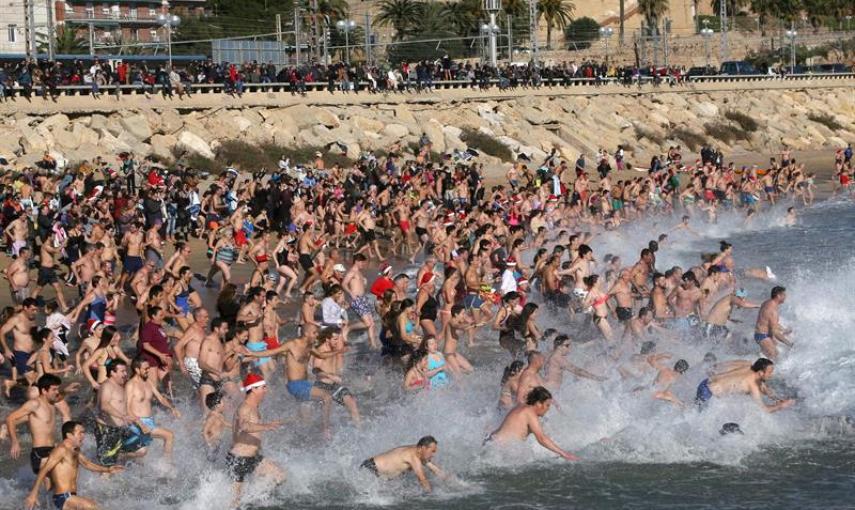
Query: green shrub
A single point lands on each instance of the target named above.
(725, 132)
(746, 122)
(641, 132)
(251, 158)
(580, 32)
(692, 140)
(486, 144)
(826, 120)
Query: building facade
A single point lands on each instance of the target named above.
(12, 23)
(123, 21)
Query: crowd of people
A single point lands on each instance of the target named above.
(43, 78)
(412, 261)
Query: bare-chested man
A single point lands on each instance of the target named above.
(18, 274)
(524, 420)
(768, 329)
(355, 283)
(640, 272)
(328, 371)
(189, 345)
(40, 415)
(139, 392)
(212, 357)
(415, 458)
(557, 363)
(132, 242)
(112, 418)
(297, 354)
(715, 322)
(62, 467)
(621, 291)
(530, 377)
(20, 325)
(685, 301)
(245, 457)
(666, 376)
(251, 315)
(741, 382)
(48, 260)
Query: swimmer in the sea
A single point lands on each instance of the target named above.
(415, 458)
(524, 420)
(740, 382)
(666, 377)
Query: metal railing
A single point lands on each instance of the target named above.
(280, 87)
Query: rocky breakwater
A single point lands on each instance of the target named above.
(747, 121)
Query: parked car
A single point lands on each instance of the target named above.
(737, 67)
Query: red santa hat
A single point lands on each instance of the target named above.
(251, 382)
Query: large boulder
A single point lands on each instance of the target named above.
(305, 116)
(66, 139)
(170, 121)
(190, 142)
(161, 145)
(30, 140)
(56, 121)
(395, 131)
(84, 134)
(136, 125)
(705, 109)
(433, 130)
(365, 124)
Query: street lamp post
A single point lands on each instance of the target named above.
(346, 25)
(493, 7)
(605, 34)
(169, 22)
(791, 35)
(707, 33)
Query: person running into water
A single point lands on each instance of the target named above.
(524, 420)
(741, 382)
(62, 466)
(403, 459)
(768, 330)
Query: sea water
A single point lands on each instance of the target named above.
(635, 452)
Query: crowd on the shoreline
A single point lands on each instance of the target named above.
(43, 78)
(488, 257)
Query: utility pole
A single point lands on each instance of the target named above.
(723, 16)
(297, 36)
(27, 48)
(50, 29)
(532, 28)
(367, 38)
(91, 39)
(316, 30)
(510, 41)
(30, 26)
(279, 39)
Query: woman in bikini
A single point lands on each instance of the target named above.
(436, 365)
(449, 297)
(416, 379)
(596, 300)
(510, 384)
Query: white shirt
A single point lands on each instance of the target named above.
(509, 282)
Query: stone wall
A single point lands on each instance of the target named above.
(529, 122)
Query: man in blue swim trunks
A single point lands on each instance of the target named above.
(62, 467)
(768, 329)
(297, 353)
(743, 381)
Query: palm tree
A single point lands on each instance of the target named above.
(67, 42)
(557, 13)
(333, 10)
(652, 11)
(515, 8)
(462, 16)
(401, 15)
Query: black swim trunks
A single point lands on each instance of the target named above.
(37, 455)
(370, 465)
(305, 262)
(623, 313)
(207, 380)
(337, 391)
(47, 276)
(241, 467)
